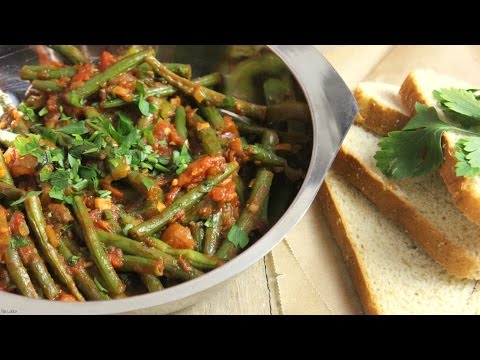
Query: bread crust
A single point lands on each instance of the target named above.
(453, 258)
(354, 264)
(463, 190)
(380, 119)
(411, 94)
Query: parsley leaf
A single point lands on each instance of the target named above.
(28, 113)
(125, 125)
(59, 195)
(78, 128)
(147, 182)
(209, 222)
(462, 103)
(60, 179)
(468, 156)
(43, 112)
(18, 241)
(228, 101)
(415, 150)
(100, 286)
(29, 145)
(143, 105)
(75, 100)
(104, 194)
(182, 159)
(73, 260)
(238, 237)
(126, 229)
(25, 197)
(45, 174)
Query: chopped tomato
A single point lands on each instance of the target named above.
(165, 131)
(198, 170)
(230, 126)
(27, 252)
(59, 213)
(178, 236)
(115, 255)
(66, 297)
(170, 197)
(84, 73)
(184, 264)
(45, 56)
(106, 60)
(20, 165)
(18, 225)
(225, 192)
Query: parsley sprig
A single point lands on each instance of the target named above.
(417, 149)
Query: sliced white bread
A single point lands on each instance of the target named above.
(391, 274)
(420, 205)
(380, 107)
(418, 87)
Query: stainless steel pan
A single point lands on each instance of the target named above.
(332, 109)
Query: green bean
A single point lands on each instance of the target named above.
(198, 234)
(142, 265)
(264, 156)
(10, 192)
(181, 122)
(91, 86)
(11, 256)
(47, 85)
(288, 111)
(145, 185)
(70, 53)
(111, 221)
(183, 70)
(71, 244)
(181, 204)
(37, 223)
(39, 72)
(137, 248)
(80, 274)
(6, 281)
(212, 234)
(278, 91)
(5, 176)
(206, 135)
(151, 282)
(249, 215)
(213, 116)
(241, 80)
(18, 273)
(37, 267)
(204, 262)
(112, 281)
(33, 261)
(269, 142)
(167, 90)
(201, 93)
(239, 188)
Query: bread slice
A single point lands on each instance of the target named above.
(419, 86)
(392, 275)
(380, 107)
(465, 191)
(420, 205)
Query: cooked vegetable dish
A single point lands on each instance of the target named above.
(121, 175)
